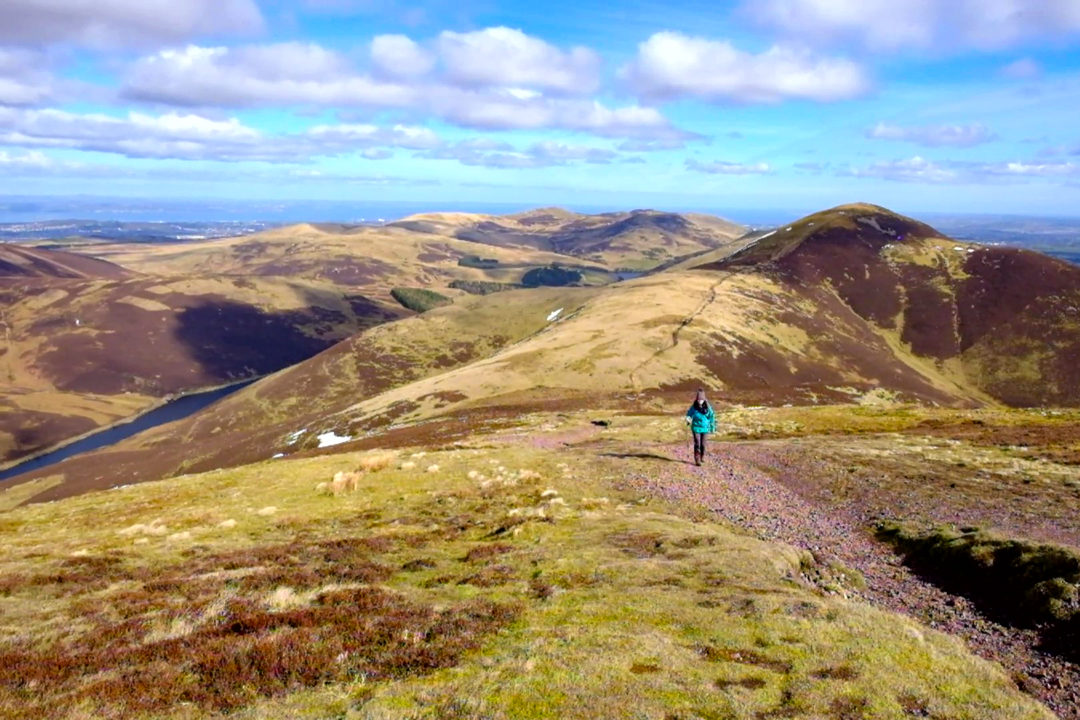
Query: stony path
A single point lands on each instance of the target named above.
(734, 486)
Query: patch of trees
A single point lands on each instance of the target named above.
(551, 276)
(482, 287)
(418, 299)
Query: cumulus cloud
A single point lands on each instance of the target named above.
(193, 137)
(299, 74)
(670, 65)
(399, 56)
(505, 57)
(111, 23)
(939, 25)
(934, 135)
(720, 167)
(23, 78)
(259, 75)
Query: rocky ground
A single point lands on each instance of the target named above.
(733, 485)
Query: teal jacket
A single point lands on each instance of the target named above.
(701, 422)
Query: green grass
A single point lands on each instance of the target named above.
(418, 299)
(488, 581)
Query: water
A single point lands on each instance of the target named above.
(174, 410)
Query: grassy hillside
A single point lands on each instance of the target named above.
(77, 354)
(847, 315)
(636, 240)
(493, 579)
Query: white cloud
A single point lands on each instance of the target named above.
(364, 135)
(505, 57)
(27, 161)
(938, 25)
(110, 23)
(296, 74)
(934, 135)
(23, 77)
(258, 75)
(399, 56)
(491, 153)
(1018, 169)
(719, 167)
(914, 169)
(193, 137)
(670, 65)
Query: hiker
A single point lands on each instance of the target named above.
(702, 420)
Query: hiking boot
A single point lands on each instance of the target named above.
(697, 458)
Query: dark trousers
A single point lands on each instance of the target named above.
(699, 444)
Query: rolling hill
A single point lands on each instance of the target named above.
(93, 340)
(452, 513)
(634, 240)
(851, 305)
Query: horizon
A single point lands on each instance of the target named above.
(924, 108)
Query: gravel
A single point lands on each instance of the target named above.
(733, 485)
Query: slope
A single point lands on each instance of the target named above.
(634, 240)
(376, 259)
(474, 581)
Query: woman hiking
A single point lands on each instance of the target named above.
(702, 420)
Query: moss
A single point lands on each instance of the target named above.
(1026, 583)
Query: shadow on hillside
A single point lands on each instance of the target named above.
(231, 340)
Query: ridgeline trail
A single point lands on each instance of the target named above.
(709, 300)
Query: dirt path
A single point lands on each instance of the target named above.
(734, 486)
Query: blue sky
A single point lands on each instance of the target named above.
(921, 105)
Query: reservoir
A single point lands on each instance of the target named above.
(176, 409)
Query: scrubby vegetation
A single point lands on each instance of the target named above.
(466, 582)
(1027, 583)
(552, 276)
(481, 287)
(418, 299)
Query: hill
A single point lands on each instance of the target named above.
(375, 258)
(634, 240)
(90, 341)
(17, 261)
(451, 514)
(797, 325)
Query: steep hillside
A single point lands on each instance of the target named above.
(638, 240)
(1002, 320)
(80, 354)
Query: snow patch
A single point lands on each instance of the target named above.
(293, 437)
(331, 438)
(277, 455)
(554, 314)
(768, 234)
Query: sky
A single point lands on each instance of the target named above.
(965, 106)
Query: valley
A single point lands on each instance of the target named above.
(453, 509)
